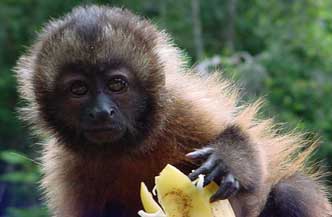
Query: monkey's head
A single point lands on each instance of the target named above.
(96, 78)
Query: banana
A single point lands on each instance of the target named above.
(149, 204)
(179, 197)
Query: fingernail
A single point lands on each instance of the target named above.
(191, 154)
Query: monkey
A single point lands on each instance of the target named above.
(115, 101)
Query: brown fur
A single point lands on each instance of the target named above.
(192, 112)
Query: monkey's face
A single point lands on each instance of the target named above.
(96, 78)
(98, 104)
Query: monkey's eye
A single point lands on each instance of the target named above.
(117, 85)
(78, 88)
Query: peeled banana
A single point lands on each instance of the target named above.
(179, 197)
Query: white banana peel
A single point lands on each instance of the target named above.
(179, 197)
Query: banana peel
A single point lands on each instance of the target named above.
(179, 197)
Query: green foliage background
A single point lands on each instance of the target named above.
(282, 49)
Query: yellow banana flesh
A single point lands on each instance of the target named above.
(179, 197)
(149, 204)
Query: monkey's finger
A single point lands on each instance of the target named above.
(212, 176)
(208, 166)
(228, 187)
(232, 190)
(201, 153)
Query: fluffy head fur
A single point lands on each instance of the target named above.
(95, 35)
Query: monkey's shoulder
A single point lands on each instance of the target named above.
(206, 104)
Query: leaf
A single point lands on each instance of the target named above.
(20, 177)
(11, 157)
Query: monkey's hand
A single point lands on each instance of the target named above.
(232, 161)
(215, 170)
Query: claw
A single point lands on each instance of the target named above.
(206, 168)
(215, 170)
(212, 176)
(201, 153)
(229, 186)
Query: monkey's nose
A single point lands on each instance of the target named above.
(101, 114)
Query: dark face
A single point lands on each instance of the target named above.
(99, 105)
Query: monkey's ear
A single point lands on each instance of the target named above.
(29, 110)
(24, 77)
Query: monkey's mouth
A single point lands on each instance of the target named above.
(104, 134)
(100, 129)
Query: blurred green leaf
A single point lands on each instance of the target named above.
(20, 177)
(11, 157)
(27, 212)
